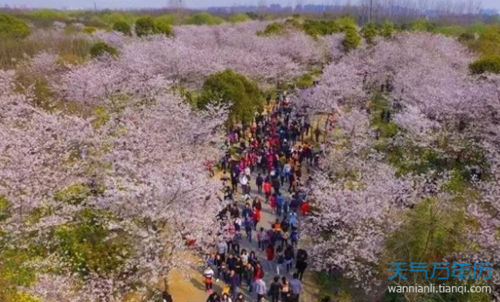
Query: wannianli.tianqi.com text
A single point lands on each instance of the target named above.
(439, 289)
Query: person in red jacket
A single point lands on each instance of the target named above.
(258, 271)
(273, 202)
(305, 208)
(267, 189)
(255, 217)
(270, 256)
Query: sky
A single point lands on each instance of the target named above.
(59, 4)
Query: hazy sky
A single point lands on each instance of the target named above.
(162, 3)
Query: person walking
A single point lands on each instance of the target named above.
(209, 276)
(280, 258)
(234, 282)
(226, 298)
(259, 181)
(248, 274)
(222, 250)
(260, 239)
(259, 271)
(248, 228)
(275, 289)
(166, 297)
(301, 263)
(240, 298)
(256, 217)
(267, 189)
(296, 288)
(260, 289)
(270, 255)
(285, 290)
(214, 297)
(245, 188)
(289, 258)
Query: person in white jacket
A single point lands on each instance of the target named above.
(260, 289)
(209, 279)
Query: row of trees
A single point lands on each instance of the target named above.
(412, 172)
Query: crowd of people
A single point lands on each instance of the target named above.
(263, 165)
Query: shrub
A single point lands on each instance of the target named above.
(239, 18)
(453, 30)
(489, 41)
(467, 38)
(369, 32)
(169, 19)
(204, 19)
(252, 15)
(89, 30)
(320, 27)
(387, 29)
(74, 194)
(87, 247)
(4, 208)
(46, 17)
(101, 48)
(15, 272)
(241, 94)
(11, 27)
(351, 40)
(114, 17)
(422, 25)
(272, 29)
(346, 22)
(489, 63)
(161, 27)
(305, 81)
(144, 26)
(148, 26)
(123, 27)
(293, 22)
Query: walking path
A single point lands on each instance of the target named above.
(277, 135)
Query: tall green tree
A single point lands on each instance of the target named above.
(229, 88)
